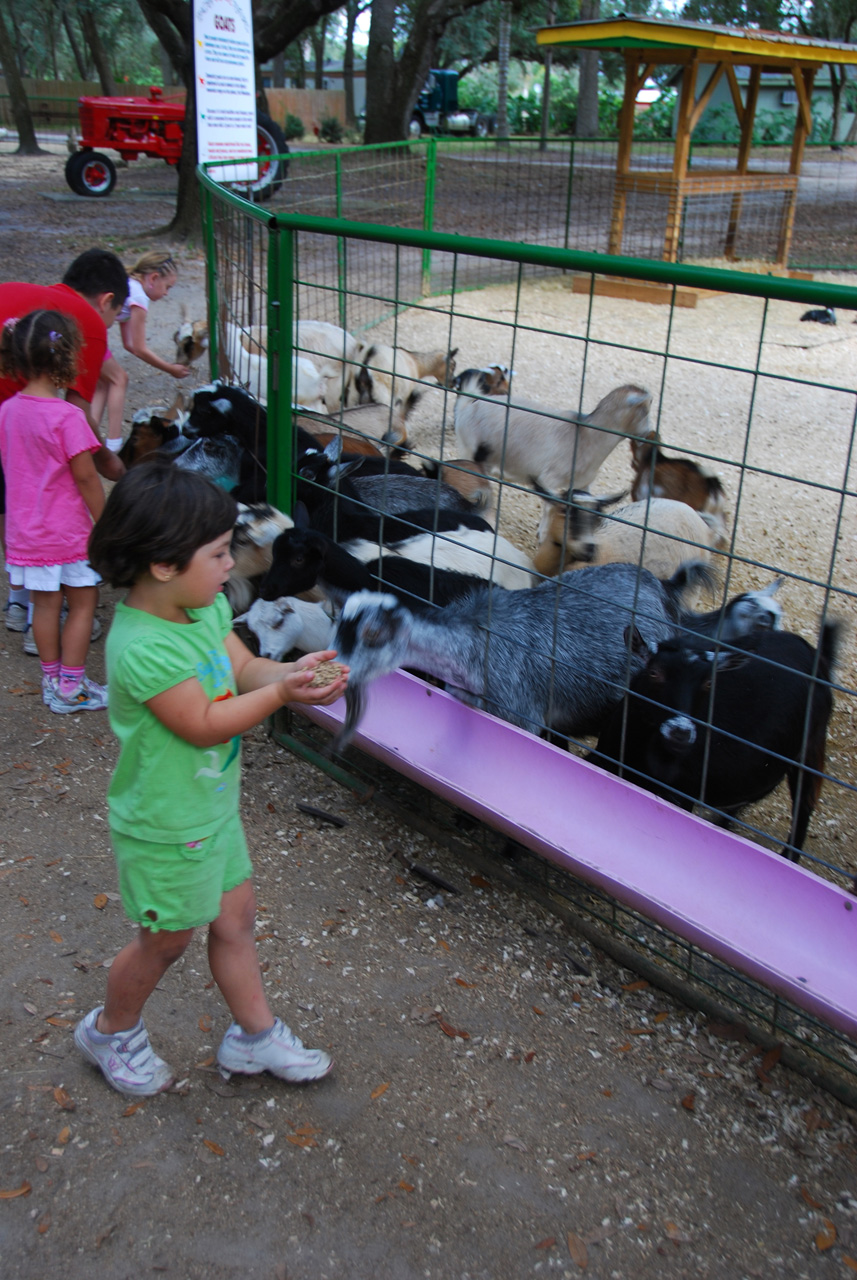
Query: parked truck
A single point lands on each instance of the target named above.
(437, 110)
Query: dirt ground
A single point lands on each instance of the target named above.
(506, 1101)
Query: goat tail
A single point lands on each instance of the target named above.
(689, 576)
(355, 703)
(828, 649)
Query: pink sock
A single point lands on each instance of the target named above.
(51, 669)
(70, 678)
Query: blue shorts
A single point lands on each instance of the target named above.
(179, 886)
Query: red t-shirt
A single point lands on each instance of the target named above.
(18, 300)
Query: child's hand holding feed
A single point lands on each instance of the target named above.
(315, 678)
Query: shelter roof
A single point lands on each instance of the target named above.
(672, 40)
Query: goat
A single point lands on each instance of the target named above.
(741, 616)
(221, 410)
(305, 558)
(380, 422)
(659, 534)
(493, 380)
(391, 375)
(658, 475)
(722, 728)
(551, 450)
(251, 548)
(480, 553)
(287, 623)
(152, 428)
(191, 339)
(467, 477)
(554, 656)
(322, 370)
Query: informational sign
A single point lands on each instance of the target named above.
(225, 86)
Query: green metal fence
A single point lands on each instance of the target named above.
(739, 383)
(563, 196)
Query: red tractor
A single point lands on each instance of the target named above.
(154, 127)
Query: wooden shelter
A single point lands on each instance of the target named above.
(651, 42)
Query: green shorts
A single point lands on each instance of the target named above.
(179, 886)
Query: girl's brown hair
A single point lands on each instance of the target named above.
(157, 261)
(157, 514)
(38, 344)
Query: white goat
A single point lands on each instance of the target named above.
(289, 623)
(323, 362)
(551, 450)
(659, 533)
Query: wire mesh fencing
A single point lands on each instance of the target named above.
(563, 195)
(600, 354)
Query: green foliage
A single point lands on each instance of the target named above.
(331, 130)
(656, 122)
(293, 127)
(44, 52)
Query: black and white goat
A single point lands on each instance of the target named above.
(555, 656)
(722, 727)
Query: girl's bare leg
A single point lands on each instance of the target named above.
(234, 962)
(46, 623)
(135, 973)
(78, 625)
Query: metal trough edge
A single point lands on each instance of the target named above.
(767, 917)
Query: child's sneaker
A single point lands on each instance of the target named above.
(49, 688)
(88, 696)
(277, 1051)
(126, 1060)
(16, 616)
(30, 645)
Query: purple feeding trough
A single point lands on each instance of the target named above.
(765, 916)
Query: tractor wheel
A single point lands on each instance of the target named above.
(90, 173)
(273, 172)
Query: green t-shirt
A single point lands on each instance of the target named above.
(164, 789)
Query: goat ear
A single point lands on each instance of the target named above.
(333, 449)
(601, 504)
(636, 643)
(301, 516)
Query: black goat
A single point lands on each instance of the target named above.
(723, 728)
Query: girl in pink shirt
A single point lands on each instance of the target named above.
(54, 495)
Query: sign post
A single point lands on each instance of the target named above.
(225, 74)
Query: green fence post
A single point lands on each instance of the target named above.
(568, 193)
(428, 210)
(211, 286)
(281, 480)
(340, 249)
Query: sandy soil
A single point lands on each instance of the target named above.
(507, 1101)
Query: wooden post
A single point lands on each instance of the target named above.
(680, 158)
(623, 155)
(747, 119)
(803, 78)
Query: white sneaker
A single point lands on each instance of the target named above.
(279, 1052)
(29, 645)
(16, 616)
(126, 1060)
(88, 696)
(49, 688)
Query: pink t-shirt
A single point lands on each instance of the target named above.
(47, 521)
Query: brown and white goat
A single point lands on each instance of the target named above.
(657, 533)
(191, 339)
(661, 475)
(362, 428)
(392, 375)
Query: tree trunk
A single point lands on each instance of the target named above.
(351, 11)
(503, 45)
(318, 36)
(75, 48)
(381, 126)
(546, 91)
(278, 71)
(586, 124)
(261, 95)
(99, 57)
(27, 144)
